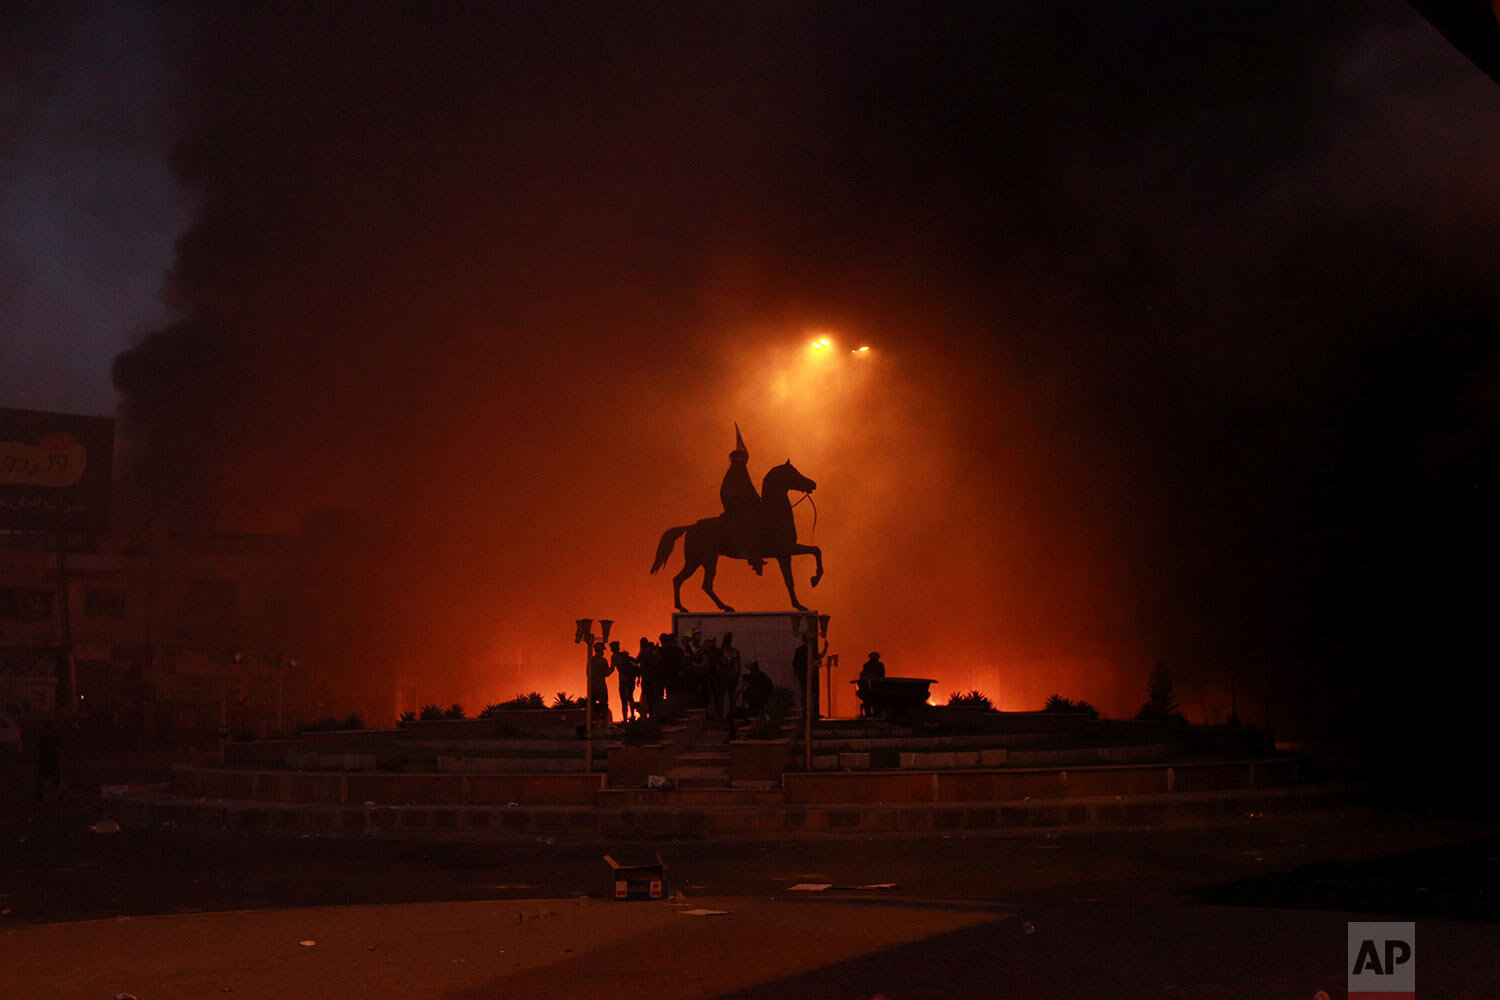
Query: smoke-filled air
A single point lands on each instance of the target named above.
(495, 284)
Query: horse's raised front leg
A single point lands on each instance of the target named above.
(811, 550)
(786, 574)
(710, 568)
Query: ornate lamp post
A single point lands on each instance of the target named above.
(584, 632)
(806, 626)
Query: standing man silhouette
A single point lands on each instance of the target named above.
(626, 672)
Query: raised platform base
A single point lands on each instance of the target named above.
(769, 637)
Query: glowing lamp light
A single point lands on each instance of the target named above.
(860, 350)
(822, 344)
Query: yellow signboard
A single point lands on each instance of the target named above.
(58, 460)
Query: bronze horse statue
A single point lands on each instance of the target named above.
(773, 536)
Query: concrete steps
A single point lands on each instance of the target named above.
(684, 798)
(733, 820)
(704, 762)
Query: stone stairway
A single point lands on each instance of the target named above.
(704, 762)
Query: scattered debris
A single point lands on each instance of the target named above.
(106, 826)
(639, 881)
(704, 913)
(6, 912)
(1321, 995)
(126, 996)
(307, 944)
(1028, 927)
(876, 885)
(811, 887)
(656, 781)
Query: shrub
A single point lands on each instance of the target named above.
(407, 717)
(532, 700)
(639, 732)
(1161, 703)
(489, 711)
(330, 723)
(971, 699)
(1057, 703)
(430, 712)
(564, 700)
(454, 711)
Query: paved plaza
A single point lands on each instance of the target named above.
(1255, 908)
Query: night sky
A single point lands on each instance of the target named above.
(1182, 320)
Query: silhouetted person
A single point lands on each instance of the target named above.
(727, 692)
(48, 758)
(599, 670)
(626, 671)
(741, 503)
(758, 687)
(648, 661)
(671, 663)
(872, 670)
(707, 667)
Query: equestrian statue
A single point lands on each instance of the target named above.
(755, 526)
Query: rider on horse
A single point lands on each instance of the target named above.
(742, 504)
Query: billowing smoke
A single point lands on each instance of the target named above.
(1145, 294)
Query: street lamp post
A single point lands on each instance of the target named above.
(805, 627)
(584, 632)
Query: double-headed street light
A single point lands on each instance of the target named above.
(583, 632)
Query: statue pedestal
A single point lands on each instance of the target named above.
(767, 636)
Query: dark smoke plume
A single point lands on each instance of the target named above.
(1182, 325)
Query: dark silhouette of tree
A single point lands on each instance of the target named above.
(1161, 704)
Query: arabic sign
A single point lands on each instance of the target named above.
(54, 471)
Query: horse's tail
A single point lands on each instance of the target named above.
(664, 547)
